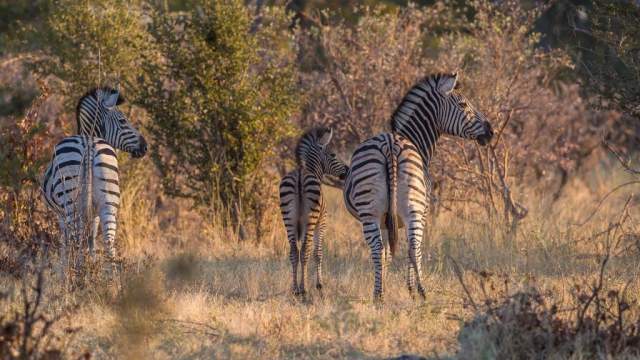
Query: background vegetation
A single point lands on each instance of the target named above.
(535, 236)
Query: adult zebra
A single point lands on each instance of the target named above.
(302, 204)
(82, 177)
(391, 169)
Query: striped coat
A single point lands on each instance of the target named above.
(386, 186)
(302, 204)
(81, 183)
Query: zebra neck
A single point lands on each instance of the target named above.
(423, 140)
(89, 124)
(315, 172)
(416, 121)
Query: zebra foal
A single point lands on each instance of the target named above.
(302, 204)
(386, 186)
(82, 178)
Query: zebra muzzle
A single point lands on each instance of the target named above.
(142, 148)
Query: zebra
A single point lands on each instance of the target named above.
(82, 177)
(302, 204)
(391, 169)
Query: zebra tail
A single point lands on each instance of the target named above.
(392, 180)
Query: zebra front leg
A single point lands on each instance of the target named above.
(372, 236)
(317, 251)
(415, 234)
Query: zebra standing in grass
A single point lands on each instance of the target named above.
(391, 169)
(82, 177)
(302, 205)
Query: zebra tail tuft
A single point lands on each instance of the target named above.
(392, 180)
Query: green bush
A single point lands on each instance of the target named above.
(89, 43)
(219, 92)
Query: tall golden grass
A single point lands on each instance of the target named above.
(191, 289)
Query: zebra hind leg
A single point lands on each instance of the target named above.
(411, 280)
(415, 234)
(373, 238)
(294, 258)
(304, 258)
(108, 224)
(63, 268)
(317, 251)
(93, 237)
(386, 252)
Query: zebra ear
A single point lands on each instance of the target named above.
(326, 137)
(447, 83)
(111, 100)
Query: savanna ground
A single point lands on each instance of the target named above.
(202, 297)
(533, 245)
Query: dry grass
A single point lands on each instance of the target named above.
(188, 294)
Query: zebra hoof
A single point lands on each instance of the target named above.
(378, 299)
(422, 293)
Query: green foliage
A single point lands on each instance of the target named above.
(219, 96)
(15, 16)
(613, 70)
(91, 42)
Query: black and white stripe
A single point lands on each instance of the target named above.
(386, 185)
(81, 182)
(302, 204)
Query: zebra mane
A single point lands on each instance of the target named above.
(310, 136)
(94, 93)
(429, 81)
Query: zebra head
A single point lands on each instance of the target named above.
(97, 114)
(313, 154)
(456, 115)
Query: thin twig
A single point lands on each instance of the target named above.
(458, 272)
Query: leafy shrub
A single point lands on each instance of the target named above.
(219, 96)
(89, 43)
(23, 152)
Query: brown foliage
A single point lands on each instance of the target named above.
(27, 332)
(544, 128)
(24, 222)
(601, 320)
